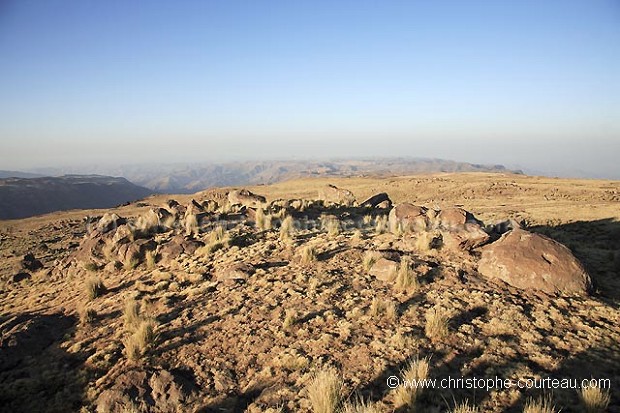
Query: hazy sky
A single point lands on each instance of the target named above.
(529, 83)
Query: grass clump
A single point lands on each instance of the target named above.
(94, 287)
(191, 225)
(91, 267)
(594, 399)
(218, 239)
(131, 262)
(408, 392)
(540, 405)
(369, 260)
(286, 228)
(141, 340)
(360, 406)
(263, 221)
(383, 308)
(150, 259)
(436, 327)
(131, 314)
(290, 318)
(406, 278)
(381, 224)
(465, 407)
(427, 241)
(87, 315)
(308, 254)
(332, 226)
(324, 391)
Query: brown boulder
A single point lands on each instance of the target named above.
(384, 269)
(455, 218)
(469, 236)
(179, 245)
(533, 261)
(335, 195)
(245, 198)
(235, 272)
(408, 217)
(108, 222)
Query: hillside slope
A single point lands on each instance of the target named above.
(25, 197)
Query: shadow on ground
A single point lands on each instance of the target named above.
(597, 245)
(36, 374)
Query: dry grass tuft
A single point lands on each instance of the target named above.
(141, 340)
(406, 278)
(131, 263)
(540, 405)
(263, 222)
(150, 259)
(324, 391)
(286, 228)
(381, 224)
(91, 267)
(218, 239)
(332, 226)
(465, 407)
(370, 258)
(594, 399)
(94, 287)
(406, 395)
(191, 225)
(290, 318)
(427, 241)
(436, 327)
(308, 254)
(131, 314)
(385, 308)
(360, 406)
(87, 315)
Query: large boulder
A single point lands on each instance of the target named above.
(108, 222)
(333, 194)
(467, 237)
(535, 262)
(245, 198)
(408, 217)
(455, 218)
(384, 269)
(179, 245)
(460, 229)
(381, 200)
(235, 272)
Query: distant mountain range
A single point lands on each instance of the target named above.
(25, 197)
(17, 174)
(190, 178)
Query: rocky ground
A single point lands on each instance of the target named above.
(200, 305)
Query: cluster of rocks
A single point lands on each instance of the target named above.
(504, 252)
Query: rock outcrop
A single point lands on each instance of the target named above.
(333, 194)
(408, 217)
(534, 262)
(245, 198)
(460, 229)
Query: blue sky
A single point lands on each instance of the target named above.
(528, 83)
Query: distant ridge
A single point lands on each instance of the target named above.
(18, 174)
(25, 197)
(190, 178)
